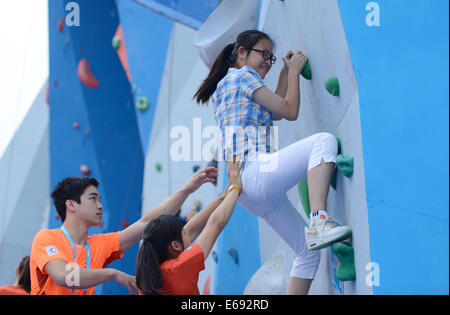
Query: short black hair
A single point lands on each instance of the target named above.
(70, 188)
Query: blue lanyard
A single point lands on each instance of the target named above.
(88, 249)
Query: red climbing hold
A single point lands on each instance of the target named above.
(85, 74)
(76, 125)
(125, 224)
(61, 24)
(85, 170)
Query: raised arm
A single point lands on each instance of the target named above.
(220, 217)
(285, 102)
(132, 234)
(196, 225)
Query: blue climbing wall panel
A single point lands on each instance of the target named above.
(192, 13)
(147, 52)
(240, 236)
(402, 72)
(107, 140)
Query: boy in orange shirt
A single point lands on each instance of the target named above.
(167, 262)
(68, 261)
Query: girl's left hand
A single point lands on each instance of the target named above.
(201, 177)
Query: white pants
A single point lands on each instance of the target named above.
(265, 183)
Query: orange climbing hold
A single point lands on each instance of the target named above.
(85, 74)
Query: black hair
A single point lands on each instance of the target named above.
(226, 59)
(70, 189)
(24, 279)
(154, 250)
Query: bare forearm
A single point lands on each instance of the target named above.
(82, 278)
(293, 93)
(223, 213)
(170, 206)
(282, 85)
(198, 222)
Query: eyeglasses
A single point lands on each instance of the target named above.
(266, 55)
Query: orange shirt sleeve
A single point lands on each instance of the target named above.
(105, 248)
(46, 247)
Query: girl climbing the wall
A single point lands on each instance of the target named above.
(167, 263)
(244, 110)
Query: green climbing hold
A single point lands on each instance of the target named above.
(346, 255)
(306, 72)
(345, 164)
(304, 195)
(158, 167)
(332, 86)
(143, 103)
(116, 42)
(339, 143)
(334, 178)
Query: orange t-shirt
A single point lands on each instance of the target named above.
(52, 244)
(180, 275)
(12, 290)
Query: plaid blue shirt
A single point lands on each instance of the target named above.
(244, 123)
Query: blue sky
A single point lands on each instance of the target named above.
(23, 60)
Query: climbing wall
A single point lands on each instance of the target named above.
(316, 29)
(120, 104)
(179, 126)
(24, 187)
(93, 126)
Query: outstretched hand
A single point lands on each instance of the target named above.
(201, 177)
(234, 172)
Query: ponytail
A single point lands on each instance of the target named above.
(148, 271)
(225, 60)
(24, 280)
(157, 236)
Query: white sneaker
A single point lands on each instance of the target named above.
(323, 231)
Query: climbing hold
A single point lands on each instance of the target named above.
(195, 168)
(213, 163)
(306, 72)
(234, 255)
(215, 256)
(143, 103)
(85, 170)
(339, 143)
(158, 167)
(125, 224)
(85, 74)
(116, 42)
(61, 24)
(345, 164)
(332, 86)
(76, 125)
(304, 195)
(346, 255)
(334, 178)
